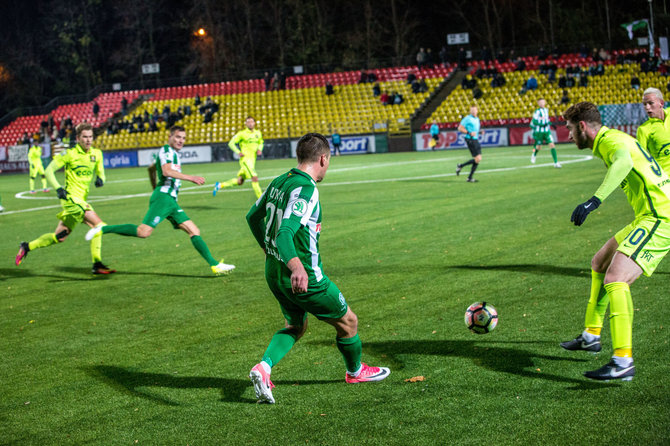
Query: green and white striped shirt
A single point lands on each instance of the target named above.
(541, 122)
(168, 185)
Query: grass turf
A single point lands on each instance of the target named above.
(159, 353)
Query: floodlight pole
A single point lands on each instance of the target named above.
(651, 29)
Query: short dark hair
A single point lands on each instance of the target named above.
(176, 128)
(81, 127)
(583, 111)
(311, 146)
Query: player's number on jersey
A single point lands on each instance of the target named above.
(654, 165)
(272, 213)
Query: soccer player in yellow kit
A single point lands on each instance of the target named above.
(81, 162)
(36, 167)
(636, 249)
(654, 133)
(250, 142)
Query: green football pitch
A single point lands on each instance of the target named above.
(159, 353)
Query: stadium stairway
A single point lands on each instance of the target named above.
(436, 98)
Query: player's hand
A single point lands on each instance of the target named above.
(62, 193)
(299, 279)
(99, 182)
(584, 209)
(197, 180)
(473, 134)
(241, 154)
(259, 153)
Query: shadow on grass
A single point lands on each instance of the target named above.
(26, 273)
(514, 361)
(530, 268)
(136, 383)
(87, 271)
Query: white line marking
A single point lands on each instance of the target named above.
(196, 189)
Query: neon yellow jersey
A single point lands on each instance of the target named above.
(35, 154)
(654, 136)
(645, 184)
(250, 142)
(80, 167)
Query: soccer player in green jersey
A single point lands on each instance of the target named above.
(636, 249)
(81, 162)
(163, 203)
(654, 133)
(541, 127)
(250, 143)
(286, 222)
(36, 167)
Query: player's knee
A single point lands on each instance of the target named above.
(144, 231)
(62, 235)
(240, 181)
(350, 324)
(254, 179)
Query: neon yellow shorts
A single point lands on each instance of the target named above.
(646, 240)
(247, 169)
(73, 211)
(36, 169)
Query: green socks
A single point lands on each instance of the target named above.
(127, 230)
(351, 349)
(281, 343)
(200, 246)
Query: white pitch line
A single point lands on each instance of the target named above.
(194, 189)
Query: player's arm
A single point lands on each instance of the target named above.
(256, 221)
(642, 137)
(168, 171)
(622, 163)
(56, 164)
(100, 171)
(261, 143)
(233, 142)
(286, 248)
(152, 175)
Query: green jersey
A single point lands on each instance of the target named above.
(168, 185)
(250, 142)
(80, 166)
(629, 166)
(286, 221)
(654, 136)
(540, 122)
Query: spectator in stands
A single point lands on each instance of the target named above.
(198, 101)
(570, 80)
(542, 53)
(282, 80)
(329, 89)
(583, 79)
(275, 81)
(423, 87)
(486, 54)
(411, 77)
(531, 83)
(468, 82)
(415, 86)
(384, 98)
(421, 58)
(644, 66)
(583, 51)
(635, 82)
(25, 139)
(153, 126)
(430, 60)
(266, 79)
(565, 99)
(462, 58)
(363, 78)
(166, 113)
(145, 116)
(397, 98)
(500, 57)
(96, 109)
(603, 55)
(67, 122)
(124, 106)
(444, 56)
(372, 77)
(520, 64)
(376, 90)
(498, 80)
(477, 93)
(391, 99)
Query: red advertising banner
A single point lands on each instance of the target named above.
(524, 136)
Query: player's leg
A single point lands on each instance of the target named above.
(198, 243)
(160, 206)
(44, 240)
(44, 179)
(256, 186)
(94, 221)
(33, 175)
(554, 156)
(536, 149)
(237, 181)
(589, 339)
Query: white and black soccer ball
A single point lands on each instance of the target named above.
(481, 317)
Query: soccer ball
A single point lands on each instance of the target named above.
(481, 317)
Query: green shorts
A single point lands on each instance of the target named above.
(73, 211)
(163, 206)
(543, 138)
(247, 169)
(325, 301)
(646, 241)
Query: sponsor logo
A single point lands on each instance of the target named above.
(342, 301)
(663, 183)
(188, 154)
(92, 158)
(300, 207)
(318, 227)
(647, 256)
(157, 220)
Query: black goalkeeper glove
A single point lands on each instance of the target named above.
(62, 193)
(584, 209)
(98, 182)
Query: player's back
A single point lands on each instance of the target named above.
(654, 136)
